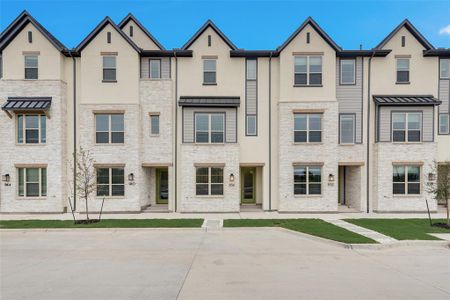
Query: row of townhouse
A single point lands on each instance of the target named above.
(307, 127)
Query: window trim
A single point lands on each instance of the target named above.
(115, 68)
(209, 195)
(110, 184)
(406, 182)
(397, 70)
(209, 114)
(150, 68)
(109, 128)
(407, 113)
(440, 68)
(208, 71)
(25, 66)
(155, 115)
(307, 127)
(448, 124)
(307, 183)
(353, 116)
(24, 129)
(25, 168)
(340, 71)
(308, 72)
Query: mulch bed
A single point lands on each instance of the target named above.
(86, 222)
(442, 225)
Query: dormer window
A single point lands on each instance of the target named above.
(31, 67)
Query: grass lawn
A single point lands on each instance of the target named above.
(125, 223)
(315, 227)
(402, 229)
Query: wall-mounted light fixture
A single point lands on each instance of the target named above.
(331, 177)
(6, 178)
(431, 176)
(131, 177)
(231, 177)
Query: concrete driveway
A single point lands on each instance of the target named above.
(194, 264)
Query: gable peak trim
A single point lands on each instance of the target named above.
(131, 17)
(206, 25)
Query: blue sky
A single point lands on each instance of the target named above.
(249, 24)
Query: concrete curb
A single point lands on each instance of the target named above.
(25, 230)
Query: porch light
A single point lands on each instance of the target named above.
(431, 176)
(330, 177)
(6, 178)
(231, 177)
(131, 177)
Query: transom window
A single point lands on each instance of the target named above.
(32, 182)
(444, 123)
(31, 67)
(209, 181)
(209, 71)
(109, 128)
(348, 71)
(155, 68)
(209, 127)
(347, 129)
(307, 128)
(406, 127)
(109, 68)
(402, 70)
(308, 70)
(31, 129)
(406, 180)
(444, 69)
(307, 180)
(110, 182)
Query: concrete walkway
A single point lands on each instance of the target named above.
(374, 235)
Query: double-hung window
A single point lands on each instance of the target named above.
(347, 129)
(209, 128)
(444, 123)
(406, 180)
(109, 68)
(31, 129)
(31, 67)
(155, 68)
(209, 71)
(209, 181)
(32, 182)
(402, 70)
(307, 128)
(406, 127)
(109, 129)
(308, 70)
(348, 71)
(307, 180)
(110, 182)
(444, 68)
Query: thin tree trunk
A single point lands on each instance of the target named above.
(448, 214)
(87, 210)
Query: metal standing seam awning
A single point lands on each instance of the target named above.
(28, 104)
(406, 100)
(212, 101)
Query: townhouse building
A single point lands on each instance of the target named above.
(210, 127)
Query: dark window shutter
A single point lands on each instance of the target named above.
(30, 36)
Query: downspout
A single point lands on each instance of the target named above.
(176, 131)
(368, 133)
(74, 132)
(270, 131)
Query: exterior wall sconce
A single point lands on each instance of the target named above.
(6, 178)
(330, 177)
(131, 177)
(431, 176)
(231, 177)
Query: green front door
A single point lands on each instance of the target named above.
(248, 176)
(162, 186)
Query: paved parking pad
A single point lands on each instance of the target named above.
(227, 264)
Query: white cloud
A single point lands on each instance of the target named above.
(445, 30)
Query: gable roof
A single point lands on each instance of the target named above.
(98, 28)
(320, 31)
(410, 27)
(19, 23)
(130, 17)
(205, 26)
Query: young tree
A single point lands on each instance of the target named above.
(440, 188)
(85, 177)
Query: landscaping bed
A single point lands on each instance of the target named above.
(314, 227)
(402, 229)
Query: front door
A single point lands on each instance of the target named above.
(162, 186)
(248, 176)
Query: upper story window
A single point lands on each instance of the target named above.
(110, 182)
(406, 127)
(155, 68)
(444, 123)
(406, 180)
(251, 69)
(109, 68)
(31, 67)
(154, 124)
(348, 71)
(209, 128)
(308, 70)
(32, 182)
(209, 71)
(209, 181)
(347, 129)
(109, 128)
(31, 129)
(307, 180)
(307, 128)
(444, 68)
(402, 70)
